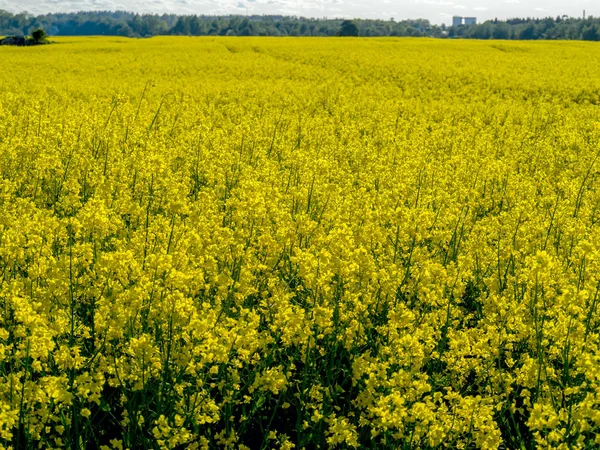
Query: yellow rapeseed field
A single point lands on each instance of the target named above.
(256, 243)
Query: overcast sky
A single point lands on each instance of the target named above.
(437, 11)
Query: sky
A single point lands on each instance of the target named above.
(437, 11)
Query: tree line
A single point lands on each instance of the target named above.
(121, 23)
(549, 28)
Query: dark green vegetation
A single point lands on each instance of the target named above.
(38, 37)
(348, 28)
(122, 23)
(559, 28)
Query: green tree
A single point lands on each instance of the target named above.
(590, 33)
(182, 27)
(39, 35)
(501, 31)
(528, 33)
(194, 26)
(348, 28)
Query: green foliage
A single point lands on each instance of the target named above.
(348, 28)
(121, 23)
(39, 35)
(559, 28)
(590, 33)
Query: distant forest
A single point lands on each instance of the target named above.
(128, 24)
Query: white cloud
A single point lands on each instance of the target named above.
(435, 2)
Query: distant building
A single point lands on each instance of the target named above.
(457, 21)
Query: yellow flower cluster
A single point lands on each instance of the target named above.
(299, 243)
